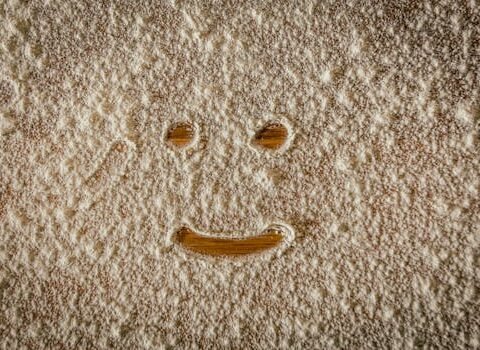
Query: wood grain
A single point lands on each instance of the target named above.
(180, 135)
(272, 136)
(213, 246)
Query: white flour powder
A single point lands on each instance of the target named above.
(379, 180)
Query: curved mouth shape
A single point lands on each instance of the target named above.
(270, 238)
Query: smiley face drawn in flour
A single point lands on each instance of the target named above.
(271, 140)
(271, 137)
(379, 175)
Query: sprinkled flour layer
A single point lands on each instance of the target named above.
(378, 177)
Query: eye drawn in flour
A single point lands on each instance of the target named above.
(181, 135)
(271, 137)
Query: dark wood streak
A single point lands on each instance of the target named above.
(213, 246)
(272, 136)
(180, 135)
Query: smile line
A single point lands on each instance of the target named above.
(216, 246)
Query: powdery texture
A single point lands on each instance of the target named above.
(379, 179)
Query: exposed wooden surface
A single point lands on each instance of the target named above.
(227, 247)
(272, 136)
(180, 135)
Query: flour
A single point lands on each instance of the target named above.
(378, 180)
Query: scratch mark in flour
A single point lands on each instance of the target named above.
(5, 197)
(108, 172)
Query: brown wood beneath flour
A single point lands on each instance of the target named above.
(227, 247)
(180, 135)
(272, 136)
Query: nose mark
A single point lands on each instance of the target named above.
(272, 136)
(180, 135)
(215, 246)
